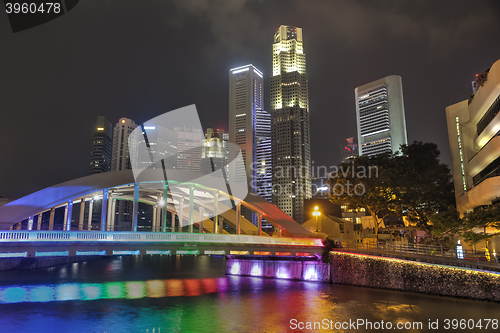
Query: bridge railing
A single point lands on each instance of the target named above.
(13, 236)
(425, 253)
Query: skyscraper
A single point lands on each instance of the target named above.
(349, 150)
(245, 97)
(100, 157)
(249, 127)
(121, 159)
(189, 142)
(291, 151)
(380, 116)
(213, 151)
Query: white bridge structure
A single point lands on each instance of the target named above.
(60, 220)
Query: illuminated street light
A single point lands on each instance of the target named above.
(316, 213)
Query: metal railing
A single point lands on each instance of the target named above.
(37, 236)
(425, 253)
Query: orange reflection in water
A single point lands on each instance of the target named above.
(192, 287)
(174, 288)
(209, 285)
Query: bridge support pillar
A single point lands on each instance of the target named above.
(39, 222)
(68, 215)
(280, 232)
(191, 208)
(104, 209)
(259, 223)
(181, 213)
(156, 210)
(136, 207)
(112, 215)
(82, 214)
(51, 218)
(91, 209)
(172, 223)
(216, 212)
(238, 218)
(200, 224)
(30, 222)
(164, 209)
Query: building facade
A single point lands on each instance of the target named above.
(380, 116)
(100, 157)
(290, 133)
(474, 137)
(213, 151)
(349, 150)
(120, 158)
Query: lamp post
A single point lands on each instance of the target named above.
(316, 213)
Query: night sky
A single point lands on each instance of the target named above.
(139, 59)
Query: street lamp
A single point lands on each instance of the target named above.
(316, 213)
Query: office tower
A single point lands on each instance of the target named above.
(162, 148)
(213, 151)
(291, 151)
(100, 157)
(262, 170)
(473, 132)
(349, 150)
(121, 161)
(120, 158)
(245, 97)
(380, 116)
(189, 142)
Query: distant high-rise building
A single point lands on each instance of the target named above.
(262, 167)
(291, 151)
(100, 157)
(349, 150)
(380, 116)
(120, 159)
(245, 97)
(249, 127)
(189, 142)
(162, 147)
(213, 151)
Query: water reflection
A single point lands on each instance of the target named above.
(192, 294)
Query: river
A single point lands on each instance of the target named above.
(192, 294)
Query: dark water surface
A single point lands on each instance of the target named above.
(192, 294)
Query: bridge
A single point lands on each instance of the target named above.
(186, 217)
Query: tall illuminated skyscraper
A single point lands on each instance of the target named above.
(291, 150)
(249, 127)
(380, 116)
(120, 159)
(100, 157)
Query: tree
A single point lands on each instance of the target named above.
(426, 185)
(366, 183)
(413, 183)
(451, 223)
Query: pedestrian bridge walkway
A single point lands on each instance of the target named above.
(22, 244)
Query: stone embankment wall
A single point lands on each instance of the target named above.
(396, 274)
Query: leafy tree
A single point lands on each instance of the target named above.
(366, 183)
(451, 223)
(413, 183)
(426, 185)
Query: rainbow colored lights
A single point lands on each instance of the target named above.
(110, 290)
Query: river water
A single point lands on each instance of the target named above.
(192, 294)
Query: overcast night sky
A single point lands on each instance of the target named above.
(139, 59)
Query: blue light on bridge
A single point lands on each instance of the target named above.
(158, 252)
(91, 253)
(52, 254)
(13, 254)
(127, 252)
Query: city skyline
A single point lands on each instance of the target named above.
(436, 49)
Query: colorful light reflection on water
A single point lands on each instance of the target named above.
(113, 290)
(193, 295)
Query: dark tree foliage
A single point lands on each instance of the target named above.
(413, 183)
